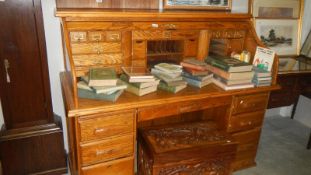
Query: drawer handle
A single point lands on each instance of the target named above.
(99, 130)
(241, 102)
(246, 123)
(101, 152)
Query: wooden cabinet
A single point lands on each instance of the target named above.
(31, 140)
(102, 134)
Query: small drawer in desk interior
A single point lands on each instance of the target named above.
(100, 126)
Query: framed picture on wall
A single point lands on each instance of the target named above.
(198, 4)
(279, 35)
(276, 8)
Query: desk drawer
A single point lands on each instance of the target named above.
(95, 48)
(248, 140)
(123, 166)
(246, 121)
(107, 149)
(150, 113)
(250, 103)
(105, 125)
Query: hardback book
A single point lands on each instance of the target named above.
(264, 58)
(164, 77)
(195, 72)
(194, 61)
(173, 89)
(228, 64)
(83, 93)
(83, 85)
(232, 87)
(137, 72)
(123, 77)
(140, 91)
(197, 77)
(102, 77)
(166, 74)
(137, 80)
(197, 83)
(110, 89)
(176, 83)
(232, 82)
(261, 72)
(230, 75)
(193, 66)
(169, 68)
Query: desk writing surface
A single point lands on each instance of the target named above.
(131, 101)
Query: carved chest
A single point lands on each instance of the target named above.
(192, 148)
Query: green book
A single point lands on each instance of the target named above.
(173, 89)
(109, 89)
(102, 77)
(141, 84)
(228, 64)
(140, 91)
(83, 93)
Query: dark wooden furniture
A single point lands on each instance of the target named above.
(188, 148)
(294, 82)
(102, 134)
(30, 141)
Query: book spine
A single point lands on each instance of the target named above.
(187, 75)
(193, 82)
(220, 65)
(192, 66)
(164, 87)
(218, 71)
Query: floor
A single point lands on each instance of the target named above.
(282, 149)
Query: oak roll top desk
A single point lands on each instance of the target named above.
(102, 135)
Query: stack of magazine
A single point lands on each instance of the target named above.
(139, 80)
(170, 76)
(195, 73)
(101, 84)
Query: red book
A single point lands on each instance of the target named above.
(192, 66)
(195, 72)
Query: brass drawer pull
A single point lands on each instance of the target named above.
(99, 130)
(101, 152)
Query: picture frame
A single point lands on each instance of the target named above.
(279, 35)
(287, 9)
(198, 4)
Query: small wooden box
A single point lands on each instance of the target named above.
(192, 148)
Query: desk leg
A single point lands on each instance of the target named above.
(309, 142)
(294, 108)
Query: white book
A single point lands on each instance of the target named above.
(232, 87)
(109, 89)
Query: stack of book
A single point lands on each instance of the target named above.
(170, 76)
(139, 80)
(230, 73)
(261, 77)
(195, 73)
(101, 84)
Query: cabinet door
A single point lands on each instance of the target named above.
(25, 93)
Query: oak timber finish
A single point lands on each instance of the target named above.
(189, 148)
(143, 4)
(132, 33)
